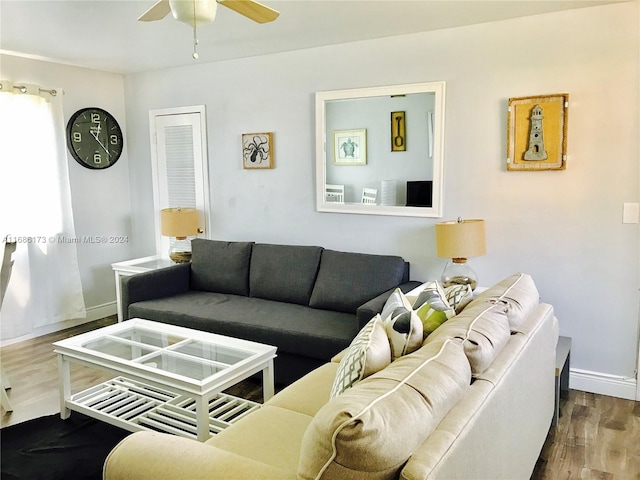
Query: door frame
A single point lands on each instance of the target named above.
(162, 243)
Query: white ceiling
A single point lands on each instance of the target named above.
(105, 34)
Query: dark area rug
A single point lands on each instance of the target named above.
(50, 448)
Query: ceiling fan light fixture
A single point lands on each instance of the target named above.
(194, 12)
(197, 12)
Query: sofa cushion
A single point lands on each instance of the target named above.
(517, 294)
(294, 329)
(269, 435)
(347, 280)
(283, 273)
(370, 430)
(308, 394)
(402, 325)
(367, 354)
(149, 455)
(484, 330)
(221, 267)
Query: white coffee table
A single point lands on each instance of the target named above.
(168, 379)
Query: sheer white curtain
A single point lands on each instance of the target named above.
(35, 210)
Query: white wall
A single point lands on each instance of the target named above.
(100, 198)
(563, 227)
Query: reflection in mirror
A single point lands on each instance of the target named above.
(382, 147)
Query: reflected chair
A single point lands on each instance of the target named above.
(5, 273)
(334, 193)
(369, 196)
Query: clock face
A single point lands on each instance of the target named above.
(94, 138)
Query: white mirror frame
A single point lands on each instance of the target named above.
(435, 211)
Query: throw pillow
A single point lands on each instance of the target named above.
(369, 352)
(402, 325)
(432, 307)
(459, 296)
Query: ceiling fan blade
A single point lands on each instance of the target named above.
(253, 10)
(159, 10)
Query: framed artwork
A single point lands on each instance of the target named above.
(398, 132)
(350, 147)
(257, 150)
(537, 132)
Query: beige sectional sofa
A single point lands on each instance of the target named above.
(475, 401)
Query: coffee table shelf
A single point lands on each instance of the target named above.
(134, 406)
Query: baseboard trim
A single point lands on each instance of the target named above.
(93, 313)
(101, 311)
(602, 383)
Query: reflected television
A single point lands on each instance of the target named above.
(420, 193)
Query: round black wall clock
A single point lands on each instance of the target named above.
(94, 138)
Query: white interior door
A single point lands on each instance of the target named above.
(179, 164)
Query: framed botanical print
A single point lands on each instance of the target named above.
(350, 147)
(257, 150)
(537, 132)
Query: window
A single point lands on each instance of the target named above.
(35, 195)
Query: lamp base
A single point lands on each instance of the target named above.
(180, 250)
(460, 280)
(180, 257)
(458, 272)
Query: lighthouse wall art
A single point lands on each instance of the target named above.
(537, 132)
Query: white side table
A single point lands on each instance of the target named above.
(131, 267)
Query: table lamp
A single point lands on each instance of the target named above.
(179, 223)
(459, 240)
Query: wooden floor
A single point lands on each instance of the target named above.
(32, 368)
(598, 437)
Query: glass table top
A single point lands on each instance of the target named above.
(189, 357)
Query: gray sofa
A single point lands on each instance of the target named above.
(308, 301)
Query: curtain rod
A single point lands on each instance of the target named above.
(27, 88)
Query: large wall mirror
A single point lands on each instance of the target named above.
(379, 150)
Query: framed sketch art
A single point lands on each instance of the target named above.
(350, 147)
(257, 150)
(537, 132)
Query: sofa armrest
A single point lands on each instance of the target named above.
(163, 282)
(374, 306)
(156, 456)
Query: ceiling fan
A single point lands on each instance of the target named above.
(197, 12)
